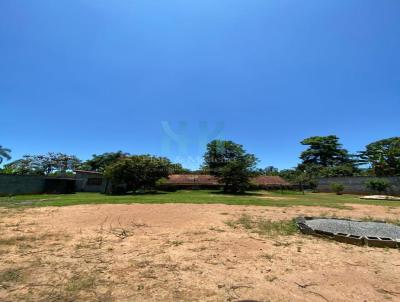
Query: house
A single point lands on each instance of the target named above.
(89, 181)
(191, 181)
(270, 182)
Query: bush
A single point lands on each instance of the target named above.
(377, 185)
(337, 188)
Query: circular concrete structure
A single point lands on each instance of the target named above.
(371, 233)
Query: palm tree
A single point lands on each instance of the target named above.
(4, 154)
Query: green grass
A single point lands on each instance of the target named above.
(260, 198)
(264, 227)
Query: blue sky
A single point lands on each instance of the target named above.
(163, 76)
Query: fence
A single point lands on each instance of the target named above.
(356, 184)
(29, 184)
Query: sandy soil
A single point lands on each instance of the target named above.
(177, 252)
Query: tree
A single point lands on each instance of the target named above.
(268, 171)
(100, 162)
(231, 164)
(4, 154)
(325, 157)
(303, 180)
(383, 156)
(23, 166)
(137, 172)
(289, 174)
(47, 164)
(178, 169)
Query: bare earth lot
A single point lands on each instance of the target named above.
(184, 252)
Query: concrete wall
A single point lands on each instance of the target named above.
(356, 184)
(21, 184)
(83, 183)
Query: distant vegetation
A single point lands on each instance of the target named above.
(378, 185)
(324, 156)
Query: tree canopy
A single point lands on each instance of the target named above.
(324, 151)
(230, 163)
(326, 157)
(47, 164)
(101, 161)
(137, 172)
(383, 156)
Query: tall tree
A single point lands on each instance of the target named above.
(325, 151)
(325, 156)
(230, 163)
(383, 156)
(4, 154)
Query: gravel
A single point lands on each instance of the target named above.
(358, 228)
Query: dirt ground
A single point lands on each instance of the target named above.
(177, 252)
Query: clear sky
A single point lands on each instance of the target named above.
(164, 76)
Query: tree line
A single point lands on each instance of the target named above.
(324, 156)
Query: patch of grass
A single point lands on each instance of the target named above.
(11, 275)
(23, 240)
(264, 227)
(245, 221)
(80, 282)
(275, 228)
(277, 198)
(17, 240)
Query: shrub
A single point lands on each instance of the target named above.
(377, 185)
(337, 188)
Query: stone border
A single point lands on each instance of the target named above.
(301, 223)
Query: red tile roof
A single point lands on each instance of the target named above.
(270, 181)
(191, 179)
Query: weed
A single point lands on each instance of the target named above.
(271, 278)
(176, 242)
